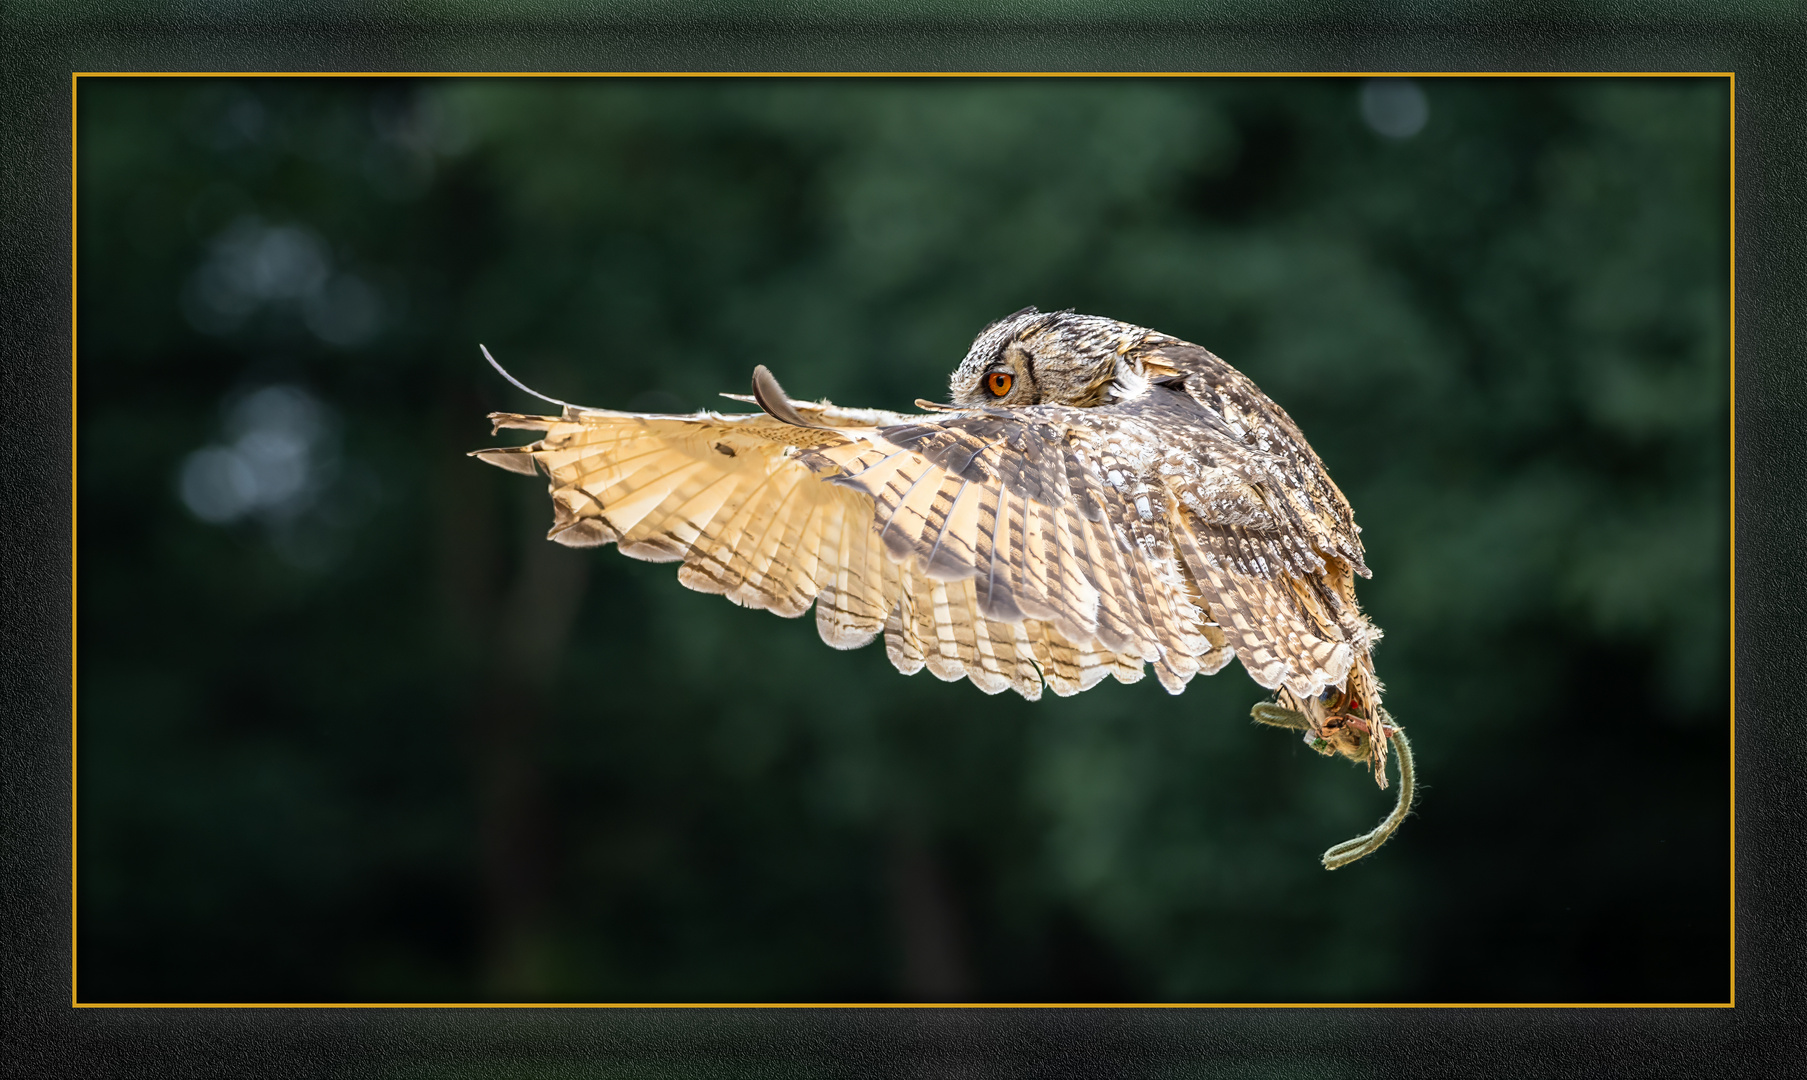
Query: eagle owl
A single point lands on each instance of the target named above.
(1096, 498)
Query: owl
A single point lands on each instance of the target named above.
(1094, 499)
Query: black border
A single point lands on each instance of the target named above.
(44, 1036)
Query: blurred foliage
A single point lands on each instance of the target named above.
(351, 730)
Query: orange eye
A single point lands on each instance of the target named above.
(998, 382)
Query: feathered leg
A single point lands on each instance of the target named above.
(1349, 851)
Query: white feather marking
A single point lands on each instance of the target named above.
(1127, 380)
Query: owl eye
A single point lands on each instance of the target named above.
(998, 382)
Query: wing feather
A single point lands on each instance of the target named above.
(1024, 673)
(954, 554)
(1058, 658)
(955, 654)
(1263, 618)
(772, 572)
(1074, 597)
(838, 620)
(994, 653)
(1117, 629)
(993, 548)
(669, 532)
(902, 647)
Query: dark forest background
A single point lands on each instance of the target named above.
(351, 730)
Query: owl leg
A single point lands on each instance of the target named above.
(1350, 850)
(1266, 712)
(1274, 715)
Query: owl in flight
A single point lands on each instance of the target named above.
(1096, 498)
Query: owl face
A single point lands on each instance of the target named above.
(1048, 358)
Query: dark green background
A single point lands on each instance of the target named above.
(384, 743)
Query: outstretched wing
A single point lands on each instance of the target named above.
(990, 546)
(1013, 547)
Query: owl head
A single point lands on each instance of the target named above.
(1050, 358)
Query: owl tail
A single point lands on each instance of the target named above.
(1362, 846)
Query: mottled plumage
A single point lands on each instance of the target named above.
(1098, 498)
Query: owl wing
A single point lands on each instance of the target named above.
(1267, 536)
(990, 545)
